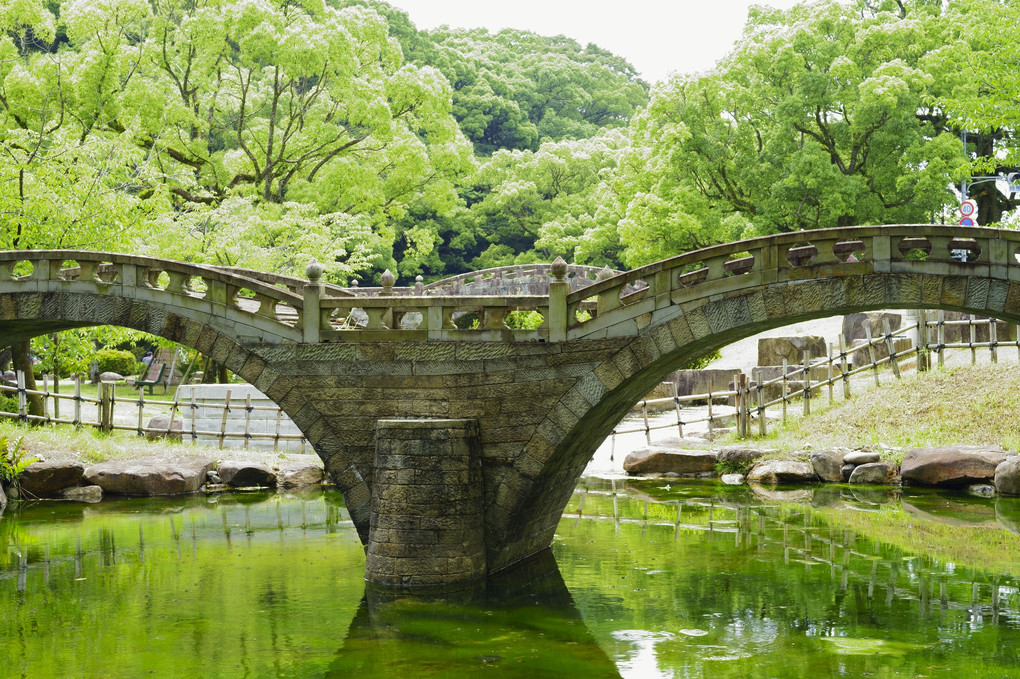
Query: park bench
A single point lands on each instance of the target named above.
(153, 377)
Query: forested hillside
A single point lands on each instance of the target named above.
(264, 134)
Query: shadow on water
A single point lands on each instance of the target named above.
(521, 624)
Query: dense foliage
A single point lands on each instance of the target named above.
(264, 134)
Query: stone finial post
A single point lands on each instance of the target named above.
(311, 318)
(388, 280)
(419, 285)
(558, 289)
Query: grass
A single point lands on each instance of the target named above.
(966, 405)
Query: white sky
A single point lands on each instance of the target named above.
(656, 36)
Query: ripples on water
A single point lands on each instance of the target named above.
(648, 580)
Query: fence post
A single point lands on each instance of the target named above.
(676, 404)
(890, 346)
(223, 420)
(77, 401)
(22, 398)
(993, 339)
(56, 397)
(743, 415)
(844, 368)
(141, 408)
(247, 420)
(760, 388)
(871, 353)
(711, 420)
(46, 398)
(807, 381)
(644, 416)
(828, 365)
(940, 334)
(973, 338)
(785, 389)
(923, 353)
(106, 391)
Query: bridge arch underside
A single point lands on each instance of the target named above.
(24, 315)
(533, 495)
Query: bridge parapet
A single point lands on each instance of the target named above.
(627, 302)
(179, 285)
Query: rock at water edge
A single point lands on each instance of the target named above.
(245, 474)
(1007, 476)
(827, 465)
(777, 472)
(860, 457)
(872, 473)
(657, 461)
(295, 474)
(89, 494)
(733, 479)
(42, 479)
(951, 467)
(135, 477)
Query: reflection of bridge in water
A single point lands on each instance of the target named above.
(381, 401)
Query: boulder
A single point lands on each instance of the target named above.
(826, 464)
(43, 479)
(872, 473)
(776, 472)
(111, 377)
(741, 457)
(733, 479)
(80, 494)
(139, 477)
(164, 428)
(856, 457)
(853, 324)
(296, 473)
(845, 471)
(772, 350)
(1007, 476)
(246, 474)
(660, 461)
(951, 467)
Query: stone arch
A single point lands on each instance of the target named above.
(547, 471)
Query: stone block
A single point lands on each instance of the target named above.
(854, 324)
(772, 350)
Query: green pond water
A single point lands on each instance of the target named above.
(645, 579)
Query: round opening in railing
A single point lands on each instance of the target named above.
(964, 250)
(22, 269)
(915, 248)
(408, 320)
(849, 251)
(691, 275)
(196, 286)
(802, 254)
(633, 292)
(108, 272)
(69, 270)
(738, 264)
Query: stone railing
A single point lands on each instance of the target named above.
(187, 286)
(575, 306)
(925, 249)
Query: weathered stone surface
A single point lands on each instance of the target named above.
(845, 471)
(777, 472)
(826, 464)
(854, 324)
(299, 472)
(773, 350)
(872, 473)
(863, 357)
(860, 457)
(110, 377)
(42, 479)
(80, 494)
(742, 457)
(668, 461)
(950, 467)
(163, 425)
(1007, 476)
(690, 382)
(132, 477)
(246, 474)
(732, 479)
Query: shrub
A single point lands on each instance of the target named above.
(12, 462)
(8, 403)
(117, 361)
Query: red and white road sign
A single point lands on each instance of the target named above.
(968, 208)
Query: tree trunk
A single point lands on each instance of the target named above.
(23, 361)
(5, 358)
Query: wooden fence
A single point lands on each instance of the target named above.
(747, 397)
(106, 407)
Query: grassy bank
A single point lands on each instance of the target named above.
(972, 405)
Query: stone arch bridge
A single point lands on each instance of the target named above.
(457, 450)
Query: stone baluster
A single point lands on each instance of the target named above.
(495, 318)
(311, 316)
(419, 286)
(387, 280)
(87, 271)
(558, 290)
(178, 282)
